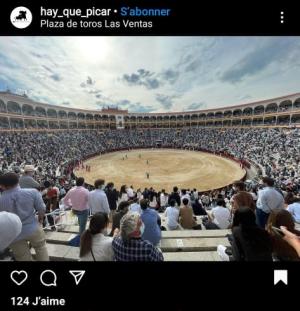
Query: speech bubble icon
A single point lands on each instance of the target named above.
(48, 274)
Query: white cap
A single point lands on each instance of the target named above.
(10, 228)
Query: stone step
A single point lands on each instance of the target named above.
(194, 233)
(167, 244)
(192, 244)
(59, 252)
(55, 237)
(69, 229)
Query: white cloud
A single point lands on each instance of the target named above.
(84, 71)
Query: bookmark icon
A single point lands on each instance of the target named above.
(280, 276)
(77, 275)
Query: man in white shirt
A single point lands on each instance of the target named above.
(163, 199)
(97, 199)
(172, 214)
(130, 192)
(220, 215)
(185, 195)
(269, 199)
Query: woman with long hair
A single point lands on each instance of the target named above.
(123, 196)
(153, 201)
(95, 245)
(242, 199)
(249, 242)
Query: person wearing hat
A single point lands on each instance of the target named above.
(26, 180)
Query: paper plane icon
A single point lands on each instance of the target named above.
(280, 275)
(77, 274)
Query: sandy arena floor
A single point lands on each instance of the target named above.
(167, 168)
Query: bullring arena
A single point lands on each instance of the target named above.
(205, 150)
(166, 167)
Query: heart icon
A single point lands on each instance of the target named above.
(19, 277)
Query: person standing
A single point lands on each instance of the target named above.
(153, 201)
(269, 199)
(163, 199)
(77, 198)
(97, 199)
(174, 196)
(139, 194)
(25, 203)
(112, 197)
(185, 195)
(130, 192)
(123, 196)
(27, 180)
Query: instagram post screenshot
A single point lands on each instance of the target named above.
(149, 154)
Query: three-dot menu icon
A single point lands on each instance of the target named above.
(282, 17)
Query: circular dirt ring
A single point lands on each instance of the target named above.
(166, 168)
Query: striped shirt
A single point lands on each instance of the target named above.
(25, 203)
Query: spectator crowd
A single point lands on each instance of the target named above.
(125, 224)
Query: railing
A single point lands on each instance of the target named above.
(58, 219)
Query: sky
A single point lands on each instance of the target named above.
(150, 74)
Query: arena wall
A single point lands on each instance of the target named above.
(21, 113)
